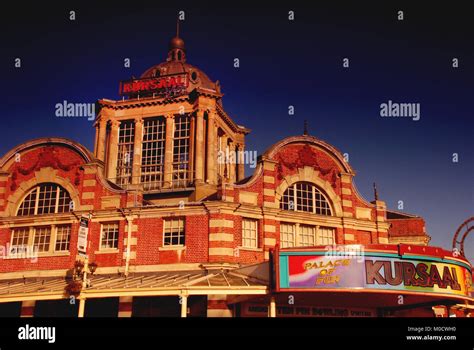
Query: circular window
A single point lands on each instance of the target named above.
(194, 76)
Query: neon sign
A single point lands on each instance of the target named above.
(168, 86)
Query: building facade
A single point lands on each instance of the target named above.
(160, 219)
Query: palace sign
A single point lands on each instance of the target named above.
(319, 270)
(169, 85)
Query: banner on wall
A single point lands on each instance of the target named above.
(307, 271)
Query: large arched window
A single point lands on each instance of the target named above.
(47, 198)
(303, 196)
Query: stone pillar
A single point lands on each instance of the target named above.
(28, 308)
(125, 306)
(113, 150)
(101, 139)
(137, 151)
(241, 165)
(232, 160)
(199, 165)
(168, 168)
(211, 148)
(184, 305)
(272, 310)
(82, 307)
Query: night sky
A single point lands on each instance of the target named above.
(282, 63)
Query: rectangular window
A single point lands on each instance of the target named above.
(63, 236)
(173, 234)
(109, 235)
(42, 238)
(153, 153)
(249, 233)
(19, 242)
(307, 236)
(326, 235)
(126, 142)
(287, 235)
(181, 174)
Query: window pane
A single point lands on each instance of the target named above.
(42, 238)
(173, 234)
(125, 152)
(153, 151)
(48, 196)
(110, 234)
(308, 199)
(63, 236)
(326, 236)
(287, 235)
(249, 233)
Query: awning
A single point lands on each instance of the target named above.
(137, 284)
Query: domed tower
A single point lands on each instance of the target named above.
(169, 131)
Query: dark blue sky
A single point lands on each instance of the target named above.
(282, 63)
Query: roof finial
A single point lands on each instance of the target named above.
(376, 195)
(305, 130)
(177, 27)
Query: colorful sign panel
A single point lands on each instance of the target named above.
(168, 85)
(319, 270)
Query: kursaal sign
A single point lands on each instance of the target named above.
(316, 271)
(163, 85)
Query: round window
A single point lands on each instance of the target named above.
(194, 76)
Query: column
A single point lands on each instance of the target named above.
(241, 165)
(82, 306)
(223, 159)
(113, 150)
(125, 306)
(272, 310)
(27, 308)
(232, 160)
(184, 305)
(101, 139)
(199, 166)
(137, 151)
(168, 168)
(211, 148)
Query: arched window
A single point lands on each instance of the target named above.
(47, 198)
(303, 196)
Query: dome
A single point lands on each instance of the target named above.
(176, 64)
(176, 43)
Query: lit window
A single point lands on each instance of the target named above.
(249, 233)
(181, 176)
(46, 198)
(306, 197)
(126, 142)
(153, 153)
(173, 234)
(109, 236)
(296, 235)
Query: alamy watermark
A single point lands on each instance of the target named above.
(349, 251)
(75, 110)
(400, 110)
(237, 157)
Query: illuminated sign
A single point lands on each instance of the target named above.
(169, 85)
(381, 271)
